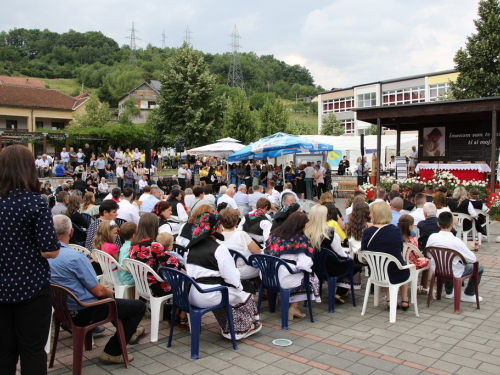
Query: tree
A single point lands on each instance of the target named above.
(274, 117)
(372, 130)
(332, 126)
(187, 104)
(297, 127)
(479, 64)
(97, 115)
(130, 111)
(238, 120)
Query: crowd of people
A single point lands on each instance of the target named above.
(206, 224)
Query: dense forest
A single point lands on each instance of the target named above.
(98, 62)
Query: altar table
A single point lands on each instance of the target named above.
(464, 172)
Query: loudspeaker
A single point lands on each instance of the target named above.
(179, 144)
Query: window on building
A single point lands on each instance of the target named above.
(349, 126)
(437, 91)
(404, 96)
(39, 124)
(367, 100)
(151, 104)
(338, 105)
(11, 124)
(139, 92)
(57, 125)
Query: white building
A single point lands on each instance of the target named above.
(406, 90)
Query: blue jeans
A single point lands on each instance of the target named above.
(469, 290)
(309, 188)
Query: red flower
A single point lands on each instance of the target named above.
(297, 245)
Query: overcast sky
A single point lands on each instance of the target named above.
(342, 42)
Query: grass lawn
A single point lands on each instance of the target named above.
(310, 119)
(67, 86)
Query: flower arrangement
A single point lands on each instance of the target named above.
(440, 178)
(369, 190)
(494, 206)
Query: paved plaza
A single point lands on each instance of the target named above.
(437, 342)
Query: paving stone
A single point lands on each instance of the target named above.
(420, 359)
(489, 368)
(334, 361)
(377, 363)
(269, 370)
(405, 370)
(468, 362)
(292, 366)
(189, 368)
(357, 368)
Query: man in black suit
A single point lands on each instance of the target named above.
(428, 226)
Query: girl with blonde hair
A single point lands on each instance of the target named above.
(322, 235)
(105, 237)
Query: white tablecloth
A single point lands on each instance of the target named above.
(482, 168)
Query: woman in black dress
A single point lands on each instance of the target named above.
(386, 238)
(301, 182)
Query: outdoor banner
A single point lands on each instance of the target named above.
(334, 157)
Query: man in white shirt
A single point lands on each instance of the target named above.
(43, 165)
(321, 168)
(275, 193)
(381, 193)
(142, 183)
(257, 193)
(136, 155)
(181, 175)
(309, 171)
(146, 194)
(228, 198)
(391, 166)
(118, 156)
(418, 213)
(413, 156)
(148, 204)
(127, 211)
(275, 202)
(119, 174)
(446, 239)
(64, 156)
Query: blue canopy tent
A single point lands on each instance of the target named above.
(278, 144)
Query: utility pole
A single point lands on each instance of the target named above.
(132, 60)
(235, 76)
(188, 37)
(163, 43)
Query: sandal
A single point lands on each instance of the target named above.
(405, 308)
(256, 327)
(184, 322)
(339, 299)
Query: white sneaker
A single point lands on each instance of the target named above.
(465, 298)
(449, 296)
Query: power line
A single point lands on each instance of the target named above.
(132, 60)
(235, 76)
(188, 37)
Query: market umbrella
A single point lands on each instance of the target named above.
(228, 139)
(217, 149)
(278, 144)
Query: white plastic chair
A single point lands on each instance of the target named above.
(81, 249)
(352, 252)
(379, 263)
(335, 188)
(407, 249)
(110, 267)
(140, 273)
(460, 227)
(486, 225)
(242, 209)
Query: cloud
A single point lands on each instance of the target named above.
(342, 46)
